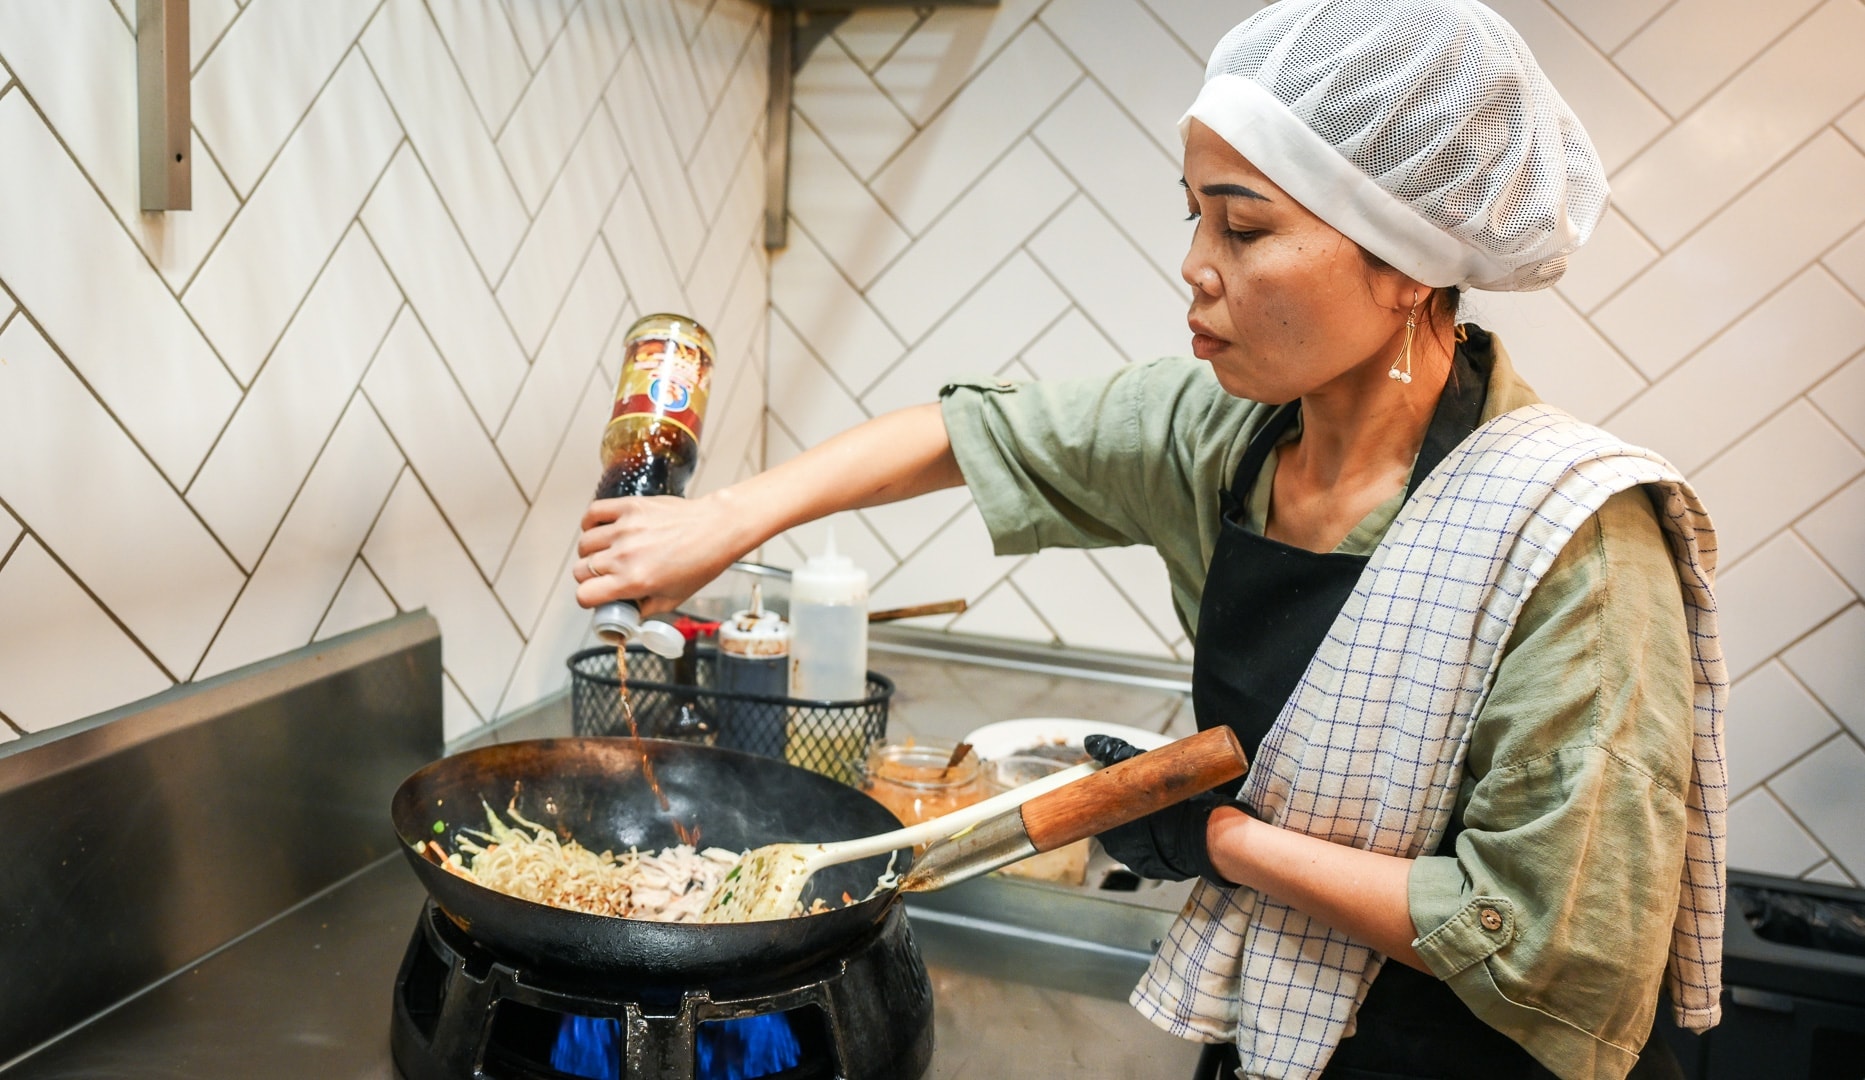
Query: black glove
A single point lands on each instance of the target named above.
(1167, 844)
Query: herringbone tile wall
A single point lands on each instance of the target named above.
(369, 370)
(994, 192)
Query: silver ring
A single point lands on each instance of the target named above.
(589, 568)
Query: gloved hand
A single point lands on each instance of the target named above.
(1167, 844)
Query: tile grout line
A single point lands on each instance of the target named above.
(1788, 812)
(1175, 284)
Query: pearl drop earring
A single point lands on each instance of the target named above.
(1405, 350)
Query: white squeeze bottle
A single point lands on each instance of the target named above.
(828, 657)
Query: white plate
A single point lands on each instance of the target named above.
(1008, 737)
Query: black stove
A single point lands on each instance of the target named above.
(460, 1012)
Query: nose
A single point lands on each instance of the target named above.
(1199, 273)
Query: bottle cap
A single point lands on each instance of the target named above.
(829, 577)
(619, 623)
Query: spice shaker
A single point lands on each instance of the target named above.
(754, 658)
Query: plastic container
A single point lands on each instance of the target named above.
(829, 641)
(912, 780)
(1066, 865)
(754, 659)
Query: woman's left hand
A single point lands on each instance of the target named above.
(1168, 844)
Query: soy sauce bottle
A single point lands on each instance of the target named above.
(651, 443)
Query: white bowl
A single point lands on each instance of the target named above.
(1007, 737)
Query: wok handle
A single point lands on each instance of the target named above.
(1134, 788)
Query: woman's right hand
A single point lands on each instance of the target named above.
(655, 550)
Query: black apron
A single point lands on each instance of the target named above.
(1266, 609)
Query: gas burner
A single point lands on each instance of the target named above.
(462, 1013)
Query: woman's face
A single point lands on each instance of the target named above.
(1283, 305)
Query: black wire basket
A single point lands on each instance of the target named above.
(829, 737)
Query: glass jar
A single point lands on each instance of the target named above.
(1066, 865)
(913, 780)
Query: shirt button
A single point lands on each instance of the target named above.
(1005, 384)
(1491, 918)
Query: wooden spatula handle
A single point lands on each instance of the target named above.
(1134, 788)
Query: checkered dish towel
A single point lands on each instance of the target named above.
(1370, 749)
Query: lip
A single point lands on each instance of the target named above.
(1205, 344)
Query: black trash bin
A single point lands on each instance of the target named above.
(1793, 986)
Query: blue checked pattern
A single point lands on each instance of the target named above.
(1370, 749)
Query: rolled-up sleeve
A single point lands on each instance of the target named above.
(1553, 919)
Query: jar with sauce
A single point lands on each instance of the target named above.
(912, 780)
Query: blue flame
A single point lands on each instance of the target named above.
(746, 1049)
(588, 1046)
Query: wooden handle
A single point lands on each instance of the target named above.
(1134, 788)
(943, 607)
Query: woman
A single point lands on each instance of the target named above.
(1467, 640)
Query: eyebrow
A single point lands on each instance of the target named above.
(1217, 191)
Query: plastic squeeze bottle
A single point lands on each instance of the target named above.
(828, 661)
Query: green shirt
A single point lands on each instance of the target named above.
(1573, 797)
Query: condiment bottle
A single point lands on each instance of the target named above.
(828, 660)
(754, 658)
(651, 443)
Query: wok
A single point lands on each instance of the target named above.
(595, 790)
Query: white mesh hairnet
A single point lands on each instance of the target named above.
(1421, 129)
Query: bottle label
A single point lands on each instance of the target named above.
(667, 378)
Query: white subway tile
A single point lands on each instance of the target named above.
(739, 116)
(1142, 65)
(1082, 605)
(984, 333)
(1829, 873)
(485, 47)
(1828, 662)
(826, 310)
(263, 75)
(1836, 530)
(945, 51)
(1199, 26)
(1140, 574)
(360, 602)
(64, 659)
(10, 529)
(536, 24)
(1003, 613)
(721, 41)
(802, 396)
(1617, 116)
(430, 260)
(548, 535)
(207, 21)
(408, 56)
(1798, 86)
(548, 398)
(870, 34)
(563, 232)
(419, 561)
(657, 161)
(1853, 124)
(436, 429)
(1682, 55)
(268, 448)
(1763, 839)
(1612, 256)
(1771, 598)
(249, 287)
(1771, 721)
(1609, 22)
(861, 122)
(987, 118)
(79, 62)
(903, 526)
(1758, 241)
(88, 485)
(304, 566)
(956, 562)
(561, 631)
(1782, 470)
(1007, 205)
(457, 718)
(1072, 349)
(1847, 262)
(740, 223)
(1115, 286)
(556, 109)
(1127, 176)
(636, 246)
(1842, 399)
(1560, 354)
(672, 84)
(60, 249)
(1803, 332)
(735, 414)
(1822, 790)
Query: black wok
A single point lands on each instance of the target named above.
(594, 790)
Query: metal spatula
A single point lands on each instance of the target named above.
(768, 882)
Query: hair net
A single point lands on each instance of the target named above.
(1421, 129)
